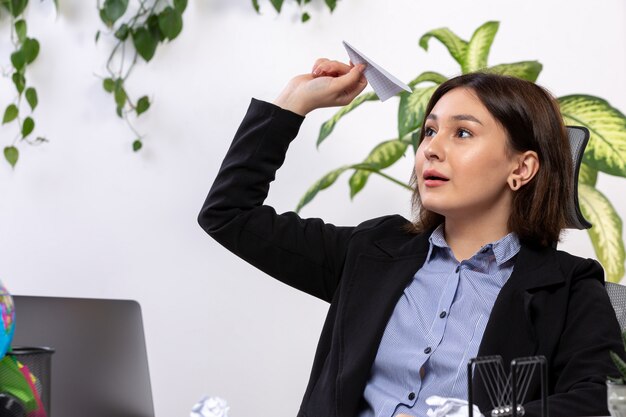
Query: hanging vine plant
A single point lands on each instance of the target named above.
(151, 23)
(302, 4)
(25, 52)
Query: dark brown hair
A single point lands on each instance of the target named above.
(532, 120)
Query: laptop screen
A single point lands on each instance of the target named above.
(100, 365)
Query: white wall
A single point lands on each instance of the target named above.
(84, 216)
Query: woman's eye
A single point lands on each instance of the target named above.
(429, 131)
(462, 133)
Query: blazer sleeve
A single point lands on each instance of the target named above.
(582, 363)
(304, 253)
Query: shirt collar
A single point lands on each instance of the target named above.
(503, 249)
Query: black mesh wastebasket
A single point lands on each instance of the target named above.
(39, 363)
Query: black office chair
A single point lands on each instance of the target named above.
(578, 139)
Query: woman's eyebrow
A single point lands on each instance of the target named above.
(467, 117)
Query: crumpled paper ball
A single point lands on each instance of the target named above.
(210, 407)
(449, 407)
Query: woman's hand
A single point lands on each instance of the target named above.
(330, 83)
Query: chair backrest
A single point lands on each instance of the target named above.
(617, 294)
(578, 138)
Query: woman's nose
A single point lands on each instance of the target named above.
(433, 149)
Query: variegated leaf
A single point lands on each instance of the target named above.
(412, 109)
(606, 233)
(456, 46)
(479, 47)
(382, 156)
(319, 185)
(526, 70)
(606, 150)
(428, 76)
(329, 125)
(587, 175)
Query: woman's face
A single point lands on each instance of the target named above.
(463, 163)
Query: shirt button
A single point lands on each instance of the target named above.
(443, 314)
(427, 350)
(411, 396)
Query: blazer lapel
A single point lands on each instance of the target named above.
(371, 296)
(512, 330)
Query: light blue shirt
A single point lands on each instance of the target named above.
(436, 327)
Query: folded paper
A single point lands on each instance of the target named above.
(384, 84)
(449, 407)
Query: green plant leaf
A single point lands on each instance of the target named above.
(606, 233)
(30, 49)
(526, 70)
(145, 43)
(587, 175)
(31, 97)
(10, 113)
(143, 104)
(19, 81)
(11, 154)
(606, 150)
(382, 156)
(305, 17)
(331, 4)
(113, 10)
(105, 19)
(329, 125)
(122, 32)
(28, 126)
(479, 47)
(170, 22)
(18, 60)
(278, 4)
(120, 96)
(456, 46)
(108, 84)
(97, 37)
(180, 5)
(255, 4)
(15, 7)
(428, 76)
(153, 26)
(619, 363)
(20, 30)
(137, 145)
(412, 108)
(319, 185)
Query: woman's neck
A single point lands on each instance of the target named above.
(465, 238)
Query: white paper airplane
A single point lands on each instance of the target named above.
(384, 84)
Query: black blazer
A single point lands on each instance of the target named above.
(554, 304)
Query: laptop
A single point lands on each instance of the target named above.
(100, 365)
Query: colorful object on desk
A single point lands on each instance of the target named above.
(8, 320)
(16, 381)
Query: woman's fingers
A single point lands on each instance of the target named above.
(318, 62)
(325, 67)
(350, 85)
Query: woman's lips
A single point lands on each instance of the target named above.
(434, 183)
(433, 178)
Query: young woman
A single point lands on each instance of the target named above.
(474, 274)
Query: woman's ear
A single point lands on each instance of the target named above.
(526, 165)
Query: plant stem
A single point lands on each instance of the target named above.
(382, 174)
